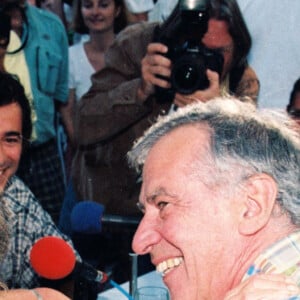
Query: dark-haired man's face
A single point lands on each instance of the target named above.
(10, 141)
(218, 38)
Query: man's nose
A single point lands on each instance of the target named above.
(146, 236)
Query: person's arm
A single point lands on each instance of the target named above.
(265, 286)
(35, 294)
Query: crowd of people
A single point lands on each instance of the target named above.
(217, 165)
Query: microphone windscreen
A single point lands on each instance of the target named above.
(52, 258)
(86, 217)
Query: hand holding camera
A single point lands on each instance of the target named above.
(178, 65)
(155, 67)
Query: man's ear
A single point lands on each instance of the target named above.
(258, 203)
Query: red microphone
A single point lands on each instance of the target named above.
(53, 258)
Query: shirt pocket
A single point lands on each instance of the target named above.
(48, 64)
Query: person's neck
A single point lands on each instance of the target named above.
(101, 41)
(273, 232)
(245, 253)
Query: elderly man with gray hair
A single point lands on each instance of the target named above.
(220, 198)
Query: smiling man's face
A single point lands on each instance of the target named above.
(10, 142)
(186, 222)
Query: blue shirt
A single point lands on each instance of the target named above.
(46, 54)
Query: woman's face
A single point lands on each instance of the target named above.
(99, 15)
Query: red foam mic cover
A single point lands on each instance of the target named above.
(52, 258)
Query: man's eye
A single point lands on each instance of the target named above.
(162, 204)
(12, 140)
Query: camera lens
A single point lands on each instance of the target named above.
(188, 75)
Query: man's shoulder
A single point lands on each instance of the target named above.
(17, 194)
(44, 18)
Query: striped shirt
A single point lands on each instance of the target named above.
(283, 257)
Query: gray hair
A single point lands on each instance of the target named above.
(243, 141)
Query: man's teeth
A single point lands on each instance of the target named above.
(167, 265)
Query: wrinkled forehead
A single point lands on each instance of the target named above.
(179, 146)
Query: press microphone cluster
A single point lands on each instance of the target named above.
(53, 258)
(88, 217)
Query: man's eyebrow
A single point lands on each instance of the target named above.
(158, 192)
(13, 133)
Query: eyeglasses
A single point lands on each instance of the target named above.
(12, 140)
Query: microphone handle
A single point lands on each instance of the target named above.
(116, 219)
(87, 280)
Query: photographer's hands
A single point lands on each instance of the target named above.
(211, 92)
(154, 63)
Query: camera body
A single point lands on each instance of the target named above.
(190, 58)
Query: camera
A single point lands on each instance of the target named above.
(190, 59)
(189, 65)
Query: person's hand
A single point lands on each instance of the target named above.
(201, 95)
(264, 287)
(154, 64)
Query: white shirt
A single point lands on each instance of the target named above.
(80, 70)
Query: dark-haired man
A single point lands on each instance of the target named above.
(45, 45)
(25, 217)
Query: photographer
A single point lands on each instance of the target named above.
(123, 101)
(226, 34)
